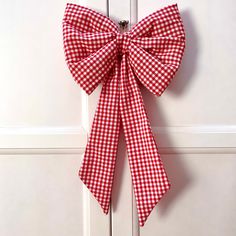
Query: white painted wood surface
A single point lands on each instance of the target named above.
(45, 120)
(40, 195)
(202, 198)
(36, 88)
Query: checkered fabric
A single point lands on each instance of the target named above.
(150, 53)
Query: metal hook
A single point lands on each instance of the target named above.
(123, 24)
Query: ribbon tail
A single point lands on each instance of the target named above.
(97, 169)
(149, 178)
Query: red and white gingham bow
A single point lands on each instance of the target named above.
(150, 53)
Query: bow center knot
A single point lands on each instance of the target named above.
(123, 42)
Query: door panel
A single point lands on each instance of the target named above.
(202, 198)
(40, 195)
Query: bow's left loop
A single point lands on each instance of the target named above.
(90, 47)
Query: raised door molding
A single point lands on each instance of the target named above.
(48, 140)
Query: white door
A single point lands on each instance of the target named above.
(45, 120)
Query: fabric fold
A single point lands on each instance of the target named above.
(97, 169)
(149, 177)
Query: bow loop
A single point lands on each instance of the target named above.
(86, 20)
(161, 57)
(159, 23)
(159, 42)
(93, 70)
(90, 47)
(89, 62)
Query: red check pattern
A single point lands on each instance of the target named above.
(150, 53)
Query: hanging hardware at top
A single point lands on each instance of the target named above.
(123, 24)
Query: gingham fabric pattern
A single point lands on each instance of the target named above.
(149, 53)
